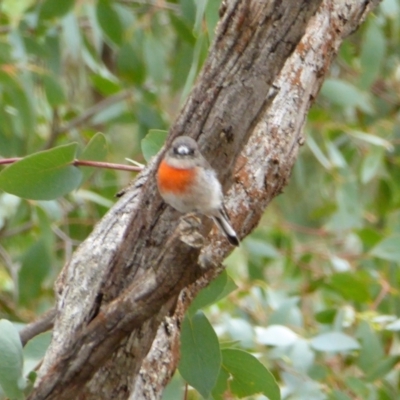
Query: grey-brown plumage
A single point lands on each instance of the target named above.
(187, 182)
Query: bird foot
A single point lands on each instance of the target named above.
(189, 226)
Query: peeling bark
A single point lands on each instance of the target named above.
(123, 294)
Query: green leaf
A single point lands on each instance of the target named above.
(148, 117)
(371, 139)
(130, 64)
(55, 8)
(200, 354)
(249, 376)
(36, 264)
(287, 312)
(110, 114)
(358, 386)
(276, 335)
(200, 9)
(352, 286)
(196, 62)
(334, 342)
(154, 57)
(109, 21)
(35, 350)
(45, 221)
(212, 17)
(152, 143)
(318, 153)
(388, 249)
(259, 247)
(218, 392)
(104, 85)
(336, 157)
(372, 53)
(346, 95)
(20, 99)
(369, 237)
(349, 213)
(215, 291)
(188, 10)
(182, 29)
(371, 352)
(181, 67)
(43, 176)
(175, 389)
(54, 92)
(390, 8)
(11, 361)
(15, 9)
(336, 395)
(326, 316)
(95, 150)
(382, 368)
(371, 164)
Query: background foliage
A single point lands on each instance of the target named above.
(317, 284)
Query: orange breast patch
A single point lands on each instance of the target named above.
(175, 180)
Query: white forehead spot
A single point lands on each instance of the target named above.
(183, 150)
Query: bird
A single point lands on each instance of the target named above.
(188, 183)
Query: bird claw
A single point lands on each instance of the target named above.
(189, 231)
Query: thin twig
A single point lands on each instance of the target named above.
(16, 230)
(85, 163)
(55, 124)
(9, 160)
(42, 324)
(99, 164)
(64, 237)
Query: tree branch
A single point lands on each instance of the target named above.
(42, 324)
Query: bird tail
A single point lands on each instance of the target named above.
(223, 223)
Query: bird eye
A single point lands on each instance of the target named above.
(183, 150)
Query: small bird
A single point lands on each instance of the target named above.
(187, 182)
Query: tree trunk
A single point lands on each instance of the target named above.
(123, 295)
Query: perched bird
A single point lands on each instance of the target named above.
(187, 182)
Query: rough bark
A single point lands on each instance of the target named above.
(118, 296)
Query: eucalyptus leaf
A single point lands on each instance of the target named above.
(372, 53)
(109, 21)
(11, 361)
(54, 91)
(36, 264)
(153, 143)
(248, 375)
(43, 176)
(388, 249)
(55, 8)
(334, 342)
(35, 350)
(216, 290)
(200, 354)
(95, 150)
(276, 335)
(345, 94)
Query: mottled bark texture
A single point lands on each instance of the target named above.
(123, 294)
